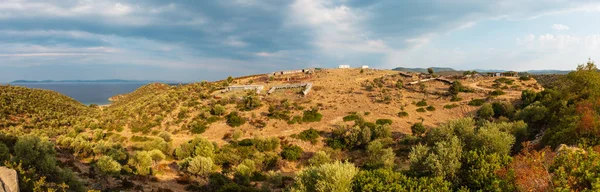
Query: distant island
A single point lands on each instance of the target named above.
(93, 81)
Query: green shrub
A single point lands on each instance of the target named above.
(390, 180)
(417, 129)
(456, 99)
(497, 93)
(476, 102)
(197, 127)
(378, 156)
(486, 111)
(503, 109)
(351, 117)
(249, 103)
(525, 78)
(504, 80)
(234, 120)
(312, 116)
(291, 152)
(421, 110)
(430, 108)
(309, 135)
(402, 114)
(335, 176)
(319, 158)
(451, 106)
(421, 103)
(201, 166)
(218, 110)
(383, 121)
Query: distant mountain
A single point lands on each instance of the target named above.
(91, 81)
(424, 70)
(547, 72)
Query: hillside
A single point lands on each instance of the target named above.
(36, 108)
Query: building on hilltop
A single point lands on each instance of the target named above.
(503, 74)
(364, 67)
(344, 66)
(306, 71)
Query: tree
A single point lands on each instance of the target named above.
(430, 71)
(201, 166)
(108, 166)
(442, 160)
(378, 156)
(335, 176)
(486, 111)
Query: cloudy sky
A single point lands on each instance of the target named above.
(206, 40)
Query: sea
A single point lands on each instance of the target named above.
(87, 92)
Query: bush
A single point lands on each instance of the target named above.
(312, 116)
(197, 127)
(291, 152)
(503, 109)
(456, 99)
(442, 160)
(476, 102)
(451, 106)
(402, 114)
(417, 129)
(218, 110)
(108, 166)
(319, 158)
(421, 110)
(525, 78)
(378, 156)
(430, 108)
(309, 135)
(249, 103)
(234, 120)
(201, 166)
(421, 103)
(389, 180)
(383, 121)
(486, 111)
(351, 117)
(497, 93)
(335, 176)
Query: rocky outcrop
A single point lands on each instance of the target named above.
(9, 182)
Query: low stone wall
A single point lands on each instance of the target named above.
(257, 88)
(307, 87)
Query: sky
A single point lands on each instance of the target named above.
(184, 40)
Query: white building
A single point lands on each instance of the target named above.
(364, 67)
(344, 66)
